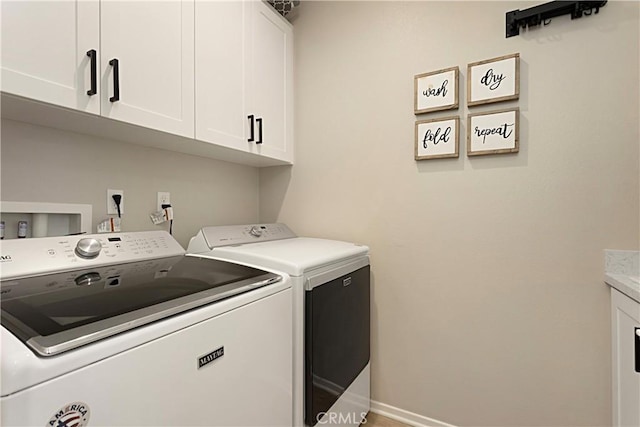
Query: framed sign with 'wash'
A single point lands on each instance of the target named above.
(435, 91)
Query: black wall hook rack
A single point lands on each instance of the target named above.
(536, 15)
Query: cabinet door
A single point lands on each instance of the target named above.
(270, 84)
(153, 44)
(625, 322)
(44, 51)
(221, 64)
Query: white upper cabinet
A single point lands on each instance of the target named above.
(244, 81)
(270, 83)
(148, 63)
(221, 65)
(50, 47)
(219, 71)
(44, 51)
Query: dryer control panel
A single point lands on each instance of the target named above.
(32, 257)
(241, 234)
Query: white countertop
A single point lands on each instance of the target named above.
(622, 272)
(628, 285)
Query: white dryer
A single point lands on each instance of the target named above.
(331, 313)
(123, 329)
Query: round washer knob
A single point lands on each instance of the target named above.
(88, 248)
(255, 231)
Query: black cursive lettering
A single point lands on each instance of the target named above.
(492, 80)
(503, 130)
(437, 137)
(442, 90)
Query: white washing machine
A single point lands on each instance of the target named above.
(331, 313)
(123, 329)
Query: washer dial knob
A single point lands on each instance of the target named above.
(255, 231)
(88, 279)
(88, 248)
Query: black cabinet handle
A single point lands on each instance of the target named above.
(116, 80)
(637, 331)
(94, 72)
(251, 119)
(259, 121)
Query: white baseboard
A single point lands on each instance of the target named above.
(406, 417)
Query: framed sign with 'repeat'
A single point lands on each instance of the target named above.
(494, 132)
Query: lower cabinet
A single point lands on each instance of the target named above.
(625, 324)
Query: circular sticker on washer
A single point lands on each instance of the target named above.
(74, 414)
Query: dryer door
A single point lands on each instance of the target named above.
(337, 339)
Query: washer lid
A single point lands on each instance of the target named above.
(59, 312)
(293, 256)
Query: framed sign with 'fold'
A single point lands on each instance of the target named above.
(493, 80)
(436, 91)
(437, 138)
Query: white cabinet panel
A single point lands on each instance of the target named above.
(244, 67)
(221, 65)
(44, 51)
(625, 321)
(153, 43)
(269, 81)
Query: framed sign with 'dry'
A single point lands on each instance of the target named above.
(493, 80)
(435, 91)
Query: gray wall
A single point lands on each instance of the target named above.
(46, 165)
(489, 306)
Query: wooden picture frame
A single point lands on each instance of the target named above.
(493, 80)
(437, 138)
(493, 132)
(436, 91)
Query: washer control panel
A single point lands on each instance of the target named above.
(256, 230)
(88, 248)
(241, 234)
(30, 257)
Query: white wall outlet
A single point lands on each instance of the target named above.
(164, 198)
(112, 209)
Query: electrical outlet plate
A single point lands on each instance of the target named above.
(112, 209)
(164, 198)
